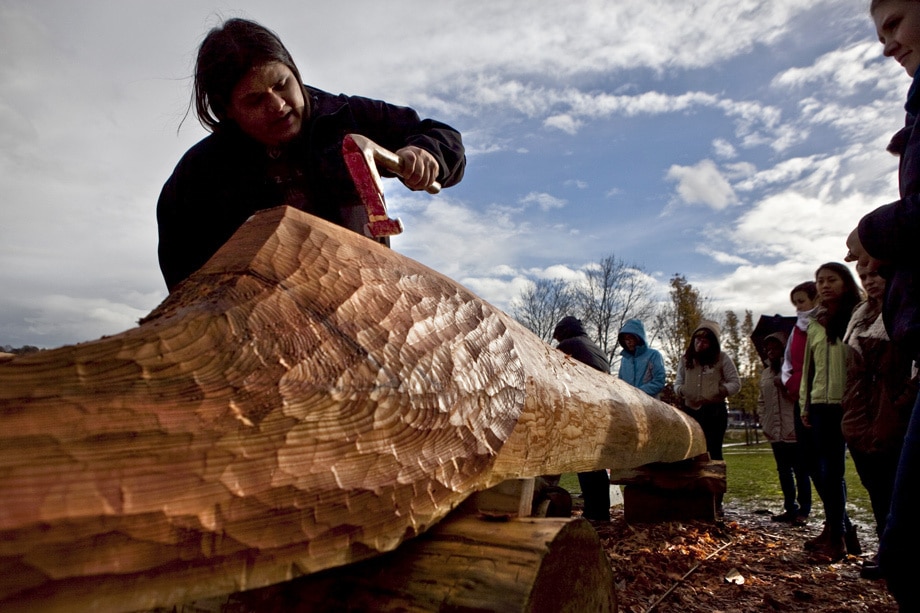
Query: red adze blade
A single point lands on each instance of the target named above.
(358, 153)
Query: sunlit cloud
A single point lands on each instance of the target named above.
(702, 184)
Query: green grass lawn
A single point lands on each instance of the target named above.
(753, 482)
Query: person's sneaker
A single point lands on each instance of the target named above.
(800, 520)
(852, 542)
(788, 517)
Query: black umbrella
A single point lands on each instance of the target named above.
(767, 325)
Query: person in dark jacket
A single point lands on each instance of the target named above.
(877, 401)
(278, 142)
(887, 238)
(640, 365)
(574, 341)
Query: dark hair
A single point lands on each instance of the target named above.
(836, 316)
(809, 288)
(225, 55)
(707, 357)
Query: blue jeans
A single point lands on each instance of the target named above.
(830, 464)
(899, 547)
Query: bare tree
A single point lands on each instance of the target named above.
(540, 307)
(612, 292)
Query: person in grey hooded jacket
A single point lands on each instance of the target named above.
(706, 376)
(640, 365)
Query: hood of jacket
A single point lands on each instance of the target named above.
(634, 327)
(780, 336)
(712, 326)
(568, 327)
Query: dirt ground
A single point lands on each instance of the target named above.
(746, 563)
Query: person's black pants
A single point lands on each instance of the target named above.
(595, 487)
(713, 419)
(796, 486)
(876, 472)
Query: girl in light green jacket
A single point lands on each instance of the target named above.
(821, 393)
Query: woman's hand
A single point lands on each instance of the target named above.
(419, 168)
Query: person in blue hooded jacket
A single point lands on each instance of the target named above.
(640, 365)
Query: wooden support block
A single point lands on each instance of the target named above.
(511, 498)
(672, 491)
(465, 563)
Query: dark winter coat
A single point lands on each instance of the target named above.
(574, 341)
(880, 390)
(225, 178)
(890, 233)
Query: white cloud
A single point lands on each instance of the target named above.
(566, 123)
(723, 149)
(846, 70)
(702, 184)
(722, 257)
(545, 201)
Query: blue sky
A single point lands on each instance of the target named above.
(733, 141)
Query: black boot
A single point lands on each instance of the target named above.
(852, 542)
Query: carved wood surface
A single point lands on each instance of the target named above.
(307, 399)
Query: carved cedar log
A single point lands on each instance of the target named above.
(305, 400)
(462, 564)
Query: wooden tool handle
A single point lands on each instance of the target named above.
(393, 163)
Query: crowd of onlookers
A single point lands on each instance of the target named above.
(834, 381)
(837, 382)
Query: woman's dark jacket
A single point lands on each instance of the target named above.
(880, 389)
(890, 233)
(226, 177)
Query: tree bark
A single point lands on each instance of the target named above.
(463, 564)
(307, 399)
